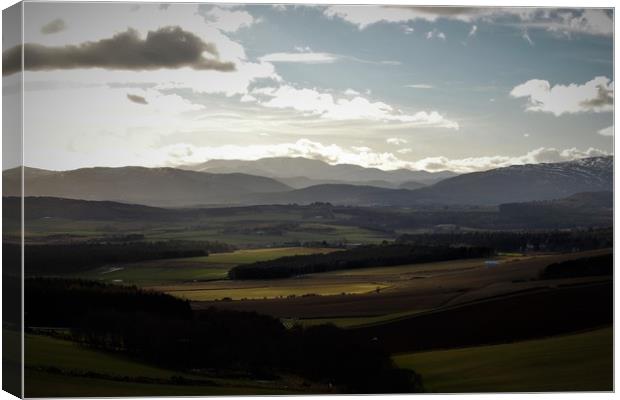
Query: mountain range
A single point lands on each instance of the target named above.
(163, 187)
(173, 187)
(299, 172)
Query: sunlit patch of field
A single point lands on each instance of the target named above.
(266, 289)
(577, 362)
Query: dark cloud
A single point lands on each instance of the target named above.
(164, 6)
(137, 99)
(55, 26)
(605, 97)
(169, 47)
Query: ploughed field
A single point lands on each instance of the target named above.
(393, 291)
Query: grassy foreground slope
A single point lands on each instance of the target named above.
(578, 362)
(60, 368)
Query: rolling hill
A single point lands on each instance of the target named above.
(523, 183)
(296, 167)
(163, 187)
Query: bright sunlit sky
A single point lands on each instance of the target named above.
(114, 84)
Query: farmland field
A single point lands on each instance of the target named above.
(212, 267)
(577, 362)
(404, 289)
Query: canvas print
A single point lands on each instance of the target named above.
(206, 199)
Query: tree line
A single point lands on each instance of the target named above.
(519, 241)
(359, 257)
(82, 256)
(586, 266)
(164, 331)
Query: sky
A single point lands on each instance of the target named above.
(457, 88)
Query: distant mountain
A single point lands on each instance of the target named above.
(411, 185)
(523, 183)
(165, 187)
(296, 167)
(169, 187)
(302, 182)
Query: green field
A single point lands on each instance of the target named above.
(578, 362)
(56, 367)
(212, 267)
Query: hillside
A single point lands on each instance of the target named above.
(164, 187)
(295, 167)
(523, 183)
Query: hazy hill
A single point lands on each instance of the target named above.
(302, 182)
(166, 187)
(523, 183)
(340, 194)
(295, 167)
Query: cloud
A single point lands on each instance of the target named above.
(305, 55)
(473, 164)
(364, 156)
(596, 95)
(54, 26)
(312, 102)
(305, 58)
(527, 37)
(564, 21)
(229, 20)
(136, 99)
(168, 47)
(330, 153)
(404, 151)
(435, 34)
(472, 31)
(420, 86)
(609, 131)
(351, 92)
(396, 141)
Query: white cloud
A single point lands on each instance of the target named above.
(472, 164)
(596, 95)
(407, 29)
(330, 153)
(366, 157)
(526, 135)
(312, 102)
(404, 151)
(609, 131)
(420, 86)
(396, 141)
(305, 57)
(351, 92)
(587, 21)
(229, 20)
(472, 31)
(435, 34)
(527, 38)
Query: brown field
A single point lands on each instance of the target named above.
(406, 289)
